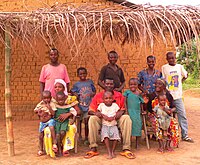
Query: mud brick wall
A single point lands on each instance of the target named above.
(27, 62)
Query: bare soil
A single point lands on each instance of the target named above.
(26, 139)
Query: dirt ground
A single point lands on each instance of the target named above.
(26, 134)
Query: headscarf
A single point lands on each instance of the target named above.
(162, 80)
(61, 81)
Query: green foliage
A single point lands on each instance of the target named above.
(191, 83)
(188, 58)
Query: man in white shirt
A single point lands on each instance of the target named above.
(174, 74)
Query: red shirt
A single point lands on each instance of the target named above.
(98, 98)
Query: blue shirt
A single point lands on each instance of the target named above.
(147, 81)
(84, 89)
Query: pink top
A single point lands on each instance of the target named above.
(49, 73)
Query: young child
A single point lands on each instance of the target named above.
(84, 89)
(174, 74)
(164, 116)
(109, 130)
(46, 110)
(62, 115)
(133, 102)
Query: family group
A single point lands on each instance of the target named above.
(113, 114)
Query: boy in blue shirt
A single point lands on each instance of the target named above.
(84, 89)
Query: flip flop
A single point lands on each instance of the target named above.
(188, 139)
(65, 153)
(90, 154)
(128, 154)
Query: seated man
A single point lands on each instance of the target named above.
(123, 121)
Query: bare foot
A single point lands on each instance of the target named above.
(113, 155)
(160, 151)
(169, 149)
(109, 156)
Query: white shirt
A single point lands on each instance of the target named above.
(108, 111)
(173, 75)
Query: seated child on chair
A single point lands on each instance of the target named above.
(46, 110)
(62, 115)
(109, 130)
(164, 117)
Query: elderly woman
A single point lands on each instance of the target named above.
(160, 89)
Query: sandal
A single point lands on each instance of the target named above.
(128, 154)
(40, 153)
(55, 148)
(90, 154)
(188, 139)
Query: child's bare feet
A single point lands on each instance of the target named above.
(160, 150)
(113, 155)
(109, 156)
(40, 153)
(55, 148)
(169, 149)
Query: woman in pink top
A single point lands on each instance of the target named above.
(50, 72)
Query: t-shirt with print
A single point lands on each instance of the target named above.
(173, 75)
(84, 89)
(49, 73)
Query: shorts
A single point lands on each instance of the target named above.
(61, 126)
(49, 123)
(111, 132)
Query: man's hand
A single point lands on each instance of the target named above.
(98, 114)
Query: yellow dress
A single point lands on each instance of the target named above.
(68, 141)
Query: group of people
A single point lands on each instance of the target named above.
(117, 115)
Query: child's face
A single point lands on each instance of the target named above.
(53, 55)
(151, 62)
(82, 75)
(108, 99)
(112, 58)
(59, 87)
(171, 59)
(133, 85)
(162, 100)
(60, 99)
(46, 98)
(159, 86)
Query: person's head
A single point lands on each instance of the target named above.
(109, 84)
(53, 55)
(46, 96)
(160, 85)
(60, 98)
(151, 61)
(108, 98)
(60, 86)
(112, 57)
(162, 99)
(171, 58)
(133, 84)
(82, 73)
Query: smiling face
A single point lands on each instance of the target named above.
(162, 99)
(151, 62)
(108, 98)
(109, 85)
(82, 74)
(159, 86)
(171, 58)
(112, 57)
(60, 98)
(133, 84)
(53, 55)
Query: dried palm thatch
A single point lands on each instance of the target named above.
(138, 23)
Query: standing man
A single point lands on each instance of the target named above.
(174, 74)
(50, 72)
(112, 70)
(148, 76)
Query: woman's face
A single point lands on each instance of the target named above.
(159, 86)
(59, 87)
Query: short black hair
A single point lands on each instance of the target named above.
(151, 56)
(134, 79)
(54, 49)
(60, 93)
(160, 95)
(112, 52)
(169, 53)
(46, 92)
(108, 78)
(81, 68)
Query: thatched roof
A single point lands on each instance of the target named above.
(139, 23)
